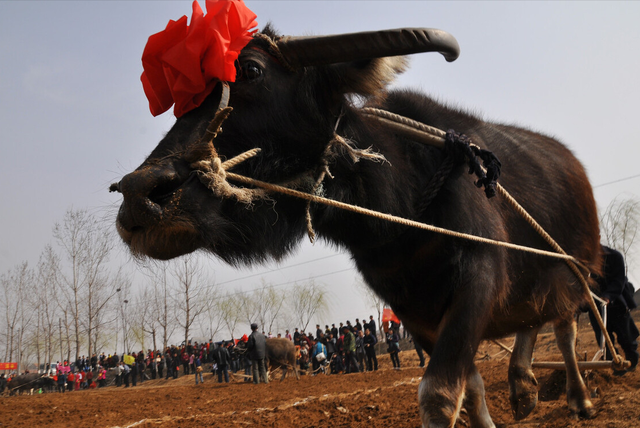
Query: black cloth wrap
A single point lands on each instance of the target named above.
(460, 147)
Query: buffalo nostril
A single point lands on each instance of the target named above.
(147, 192)
(165, 188)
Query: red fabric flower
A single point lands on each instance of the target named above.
(183, 63)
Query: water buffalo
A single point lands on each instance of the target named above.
(281, 353)
(299, 100)
(30, 382)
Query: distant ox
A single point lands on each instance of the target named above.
(281, 353)
(294, 98)
(30, 382)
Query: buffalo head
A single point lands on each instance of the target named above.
(287, 97)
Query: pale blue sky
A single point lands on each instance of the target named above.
(73, 116)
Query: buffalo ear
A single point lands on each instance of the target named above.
(368, 77)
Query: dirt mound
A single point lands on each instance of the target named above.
(383, 398)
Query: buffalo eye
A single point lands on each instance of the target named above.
(249, 70)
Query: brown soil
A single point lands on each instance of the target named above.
(379, 399)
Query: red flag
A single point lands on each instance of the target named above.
(388, 315)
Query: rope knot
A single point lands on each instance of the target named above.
(461, 147)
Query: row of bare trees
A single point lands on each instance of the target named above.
(63, 303)
(77, 300)
(620, 224)
(179, 296)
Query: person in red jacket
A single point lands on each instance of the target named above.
(76, 385)
(102, 377)
(70, 381)
(89, 378)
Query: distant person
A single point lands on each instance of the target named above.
(222, 358)
(198, 370)
(360, 352)
(371, 325)
(393, 347)
(257, 348)
(349, 343)
(370, 341)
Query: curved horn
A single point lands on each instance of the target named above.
(318, 50)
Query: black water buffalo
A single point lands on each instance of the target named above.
(281, 353)
(30, 381)
(299, 100)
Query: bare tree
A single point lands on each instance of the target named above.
(123, 314)
(248, 307)
(99, 304)
(211, 321)
(162, 306)
(276, 302)
(86, 247)
(619, 224)
(191, 289)
(48, 310)
(375, 302)
(307, 301)
(147, 304)
(17, 285)
(229, 306)
(262, 306)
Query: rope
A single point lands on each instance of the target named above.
(435, 136)
(618, 361)
(571, 262)
(388, 217)
(24, 384)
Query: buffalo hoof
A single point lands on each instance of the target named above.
(523, 404)
(583, 409)
(523, 392)
(587, 413)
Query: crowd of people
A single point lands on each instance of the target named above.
(347, 348)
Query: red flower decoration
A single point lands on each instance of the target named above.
(183, 63)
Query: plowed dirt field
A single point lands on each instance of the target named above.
(385, 398)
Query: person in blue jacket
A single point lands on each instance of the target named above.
(318, 355)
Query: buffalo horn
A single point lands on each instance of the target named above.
(319, 50)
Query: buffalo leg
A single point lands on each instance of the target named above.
(474, 402)
(441, 391)
(292, 362)
(577, 394)
(284, 372)
(523, 386)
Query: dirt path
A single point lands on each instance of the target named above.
(379, 399)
